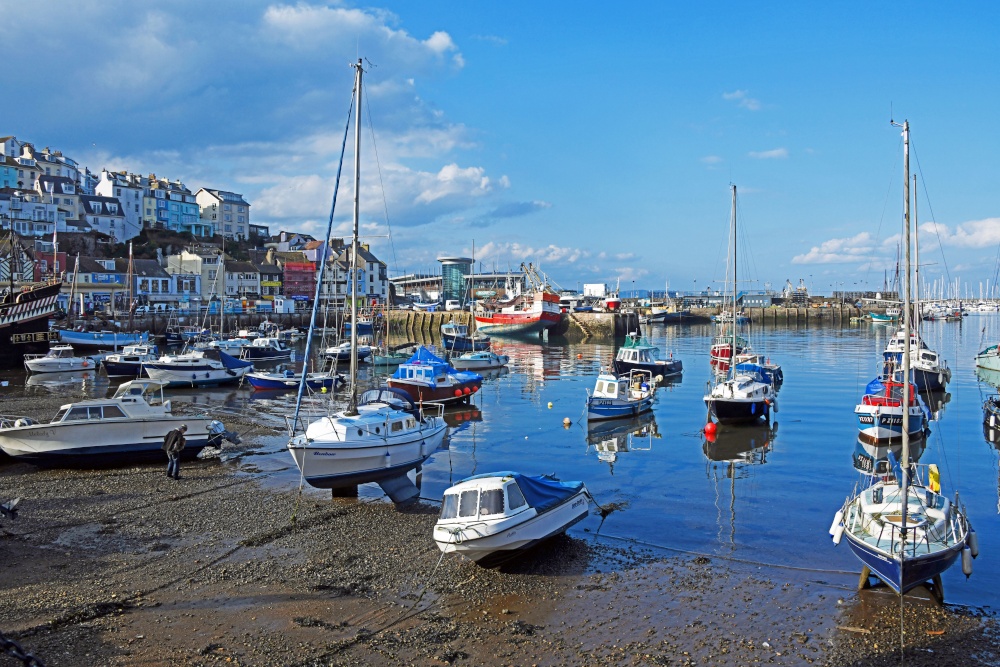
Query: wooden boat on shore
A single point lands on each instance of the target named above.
(494, 517)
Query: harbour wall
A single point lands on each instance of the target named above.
(574, 326)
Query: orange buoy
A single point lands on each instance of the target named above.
(710, 428)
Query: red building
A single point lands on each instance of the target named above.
(300, 279)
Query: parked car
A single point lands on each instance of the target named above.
(453, 304)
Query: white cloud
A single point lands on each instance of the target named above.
(711, 159)
(773, 154)
(838, 251)
(452, 179)
(742, 99)
(974, 234)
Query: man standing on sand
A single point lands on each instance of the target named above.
(173, 444)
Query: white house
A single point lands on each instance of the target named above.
(128, 190)
(105, 215)
(227, 212)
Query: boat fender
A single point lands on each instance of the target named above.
(993, 421)
(458, 392)
(774, 406)
(85, 363)
(838, 519)
(838, 533)
(967, 562)
(973, 542)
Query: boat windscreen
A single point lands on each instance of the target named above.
(491, 502)
(449, 506)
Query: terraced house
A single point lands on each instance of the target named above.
(227, 212)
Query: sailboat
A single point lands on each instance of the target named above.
(900, 525)
(930, 372)
(739, 398)
(382, 436)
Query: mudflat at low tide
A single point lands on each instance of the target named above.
(128, 567)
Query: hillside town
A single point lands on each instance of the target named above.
(188, 248)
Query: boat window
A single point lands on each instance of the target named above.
(599, 387)
(112, 411)
(469, 503)
(491, 502)
(59, 416)
(95, 413)
(515, 498)
(410, 423)
(449, 508)
(612, 388)
(76, 413)
(397, 427)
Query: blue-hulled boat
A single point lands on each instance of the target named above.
(129, 362)
(267, 349)
(102, 339)
(617, 396)
(900, 525)
(455, 337)
(289, 379)
(638, 355)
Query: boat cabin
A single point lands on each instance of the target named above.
(492, 498)
(426, 374)
(140, 393)
(59, 352)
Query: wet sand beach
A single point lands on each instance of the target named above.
(127, 567)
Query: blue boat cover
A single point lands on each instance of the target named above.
(756, 371)
(542, 492)
(423, 357)
(874, 387)
(232, 362)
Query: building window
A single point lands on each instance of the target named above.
(227, 207)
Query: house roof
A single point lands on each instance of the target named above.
(269, 269)
(241, 267)
(90, 265)
(149, 268)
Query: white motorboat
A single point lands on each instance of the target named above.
(342, 352)
(228, 344)
(59, 359)
(267, 348)
(493, 517)
(479, 361)
(127, 427)
(194, 369)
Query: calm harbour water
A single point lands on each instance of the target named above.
(761, 494)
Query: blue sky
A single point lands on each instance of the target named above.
(596, 140)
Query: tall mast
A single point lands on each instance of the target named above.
(352, 406)
(905, 456)
(916, 261)
(732, 232)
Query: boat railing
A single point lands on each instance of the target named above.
(432, 410)
(10, 421)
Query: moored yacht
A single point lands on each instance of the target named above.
(59, 359)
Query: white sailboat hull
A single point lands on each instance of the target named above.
(328, 464)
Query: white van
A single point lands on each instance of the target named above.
(452, 304)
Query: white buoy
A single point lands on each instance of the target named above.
(973, 542)
(967, 561)
(838, 519)
(838, 533)
(993, 421)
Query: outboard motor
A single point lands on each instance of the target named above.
(217, 433)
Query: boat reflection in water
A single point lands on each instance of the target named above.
(610, 438)
(731, 453)
(90, 382)
(935, 402)
(873, 459)
(460, 417)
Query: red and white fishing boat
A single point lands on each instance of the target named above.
(528, 313)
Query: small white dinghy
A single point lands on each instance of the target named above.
(493, 517)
